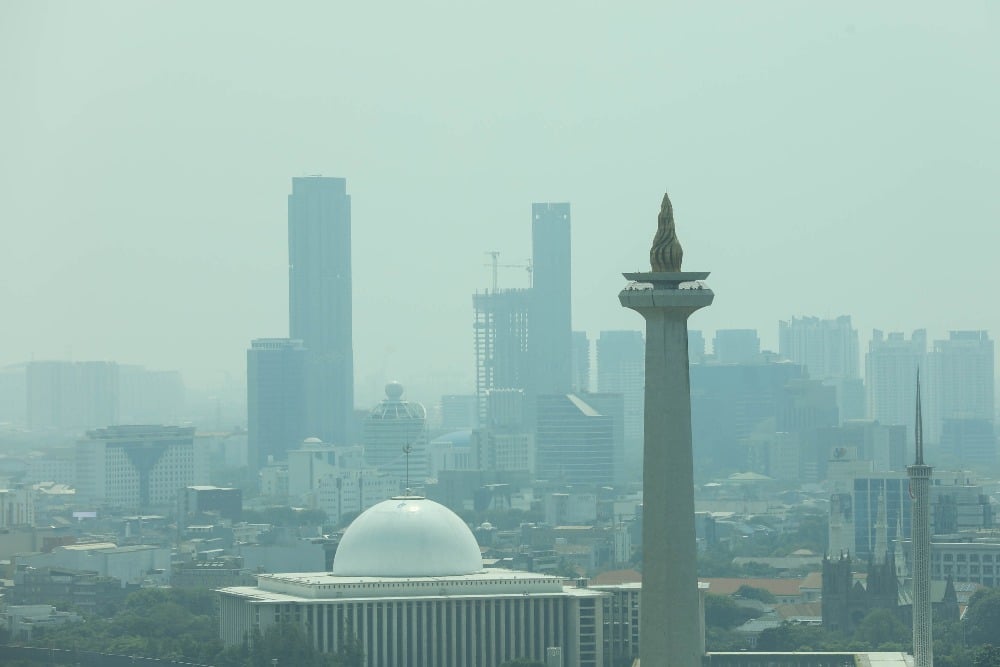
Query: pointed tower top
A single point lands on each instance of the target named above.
(918, 427)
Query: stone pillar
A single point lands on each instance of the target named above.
(670, 630)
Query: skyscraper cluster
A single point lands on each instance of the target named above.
(303, 385)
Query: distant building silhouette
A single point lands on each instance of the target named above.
(736, 346)
(621, 369)
(960, 381)
(574, 441)
(581, 362)
(550, 342)
(829, 351)
(395, 437)
(890, 372)
(501, 342)
(276, 399)
(69, 395)
(320, 301)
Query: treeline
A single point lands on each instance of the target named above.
(183, 625)
(973, 641)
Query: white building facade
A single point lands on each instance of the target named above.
(408, 583)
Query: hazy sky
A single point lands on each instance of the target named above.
(822, 160)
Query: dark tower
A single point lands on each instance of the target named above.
(319, 300)
(551, 339)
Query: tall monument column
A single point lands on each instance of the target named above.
(670, 631)
(920, 531)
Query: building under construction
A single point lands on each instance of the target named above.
(501, 332)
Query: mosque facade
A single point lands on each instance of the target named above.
(408, 583)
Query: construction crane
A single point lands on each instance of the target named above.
(495, 264)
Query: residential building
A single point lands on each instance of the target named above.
(68, 395)
(960, 377)
(891, 376)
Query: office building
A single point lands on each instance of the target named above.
(395, 437)
(320, 298)
(459, 411)
(574, 441)
(736, 346)
(890, 376)
(960, 379)
(969, 442)
(276, 399)
(551, 342)
(621, 369)
(199, 500)
(580, 381)
(408, 583)
(136, 468)
(504, 442)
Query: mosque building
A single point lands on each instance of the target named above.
(408, 582)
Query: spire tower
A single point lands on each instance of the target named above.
(920, 489)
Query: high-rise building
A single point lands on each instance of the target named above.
(459, 411)
(621, 369)
(581, 362)
(960, 379)
(550, 342)
(505, 442)
(696, 346)
(135, 467)
(71, 395)
(395, 437)
(319, 300)
(736, 346)
(574, 441)
(829, 351)
(148, 396)
(276, 399)
(890, 371)
(827, 348)
(501, 342)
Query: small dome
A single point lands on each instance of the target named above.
(313, 441)
(394, 391)
(407, 536)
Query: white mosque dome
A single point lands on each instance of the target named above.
(407, 536)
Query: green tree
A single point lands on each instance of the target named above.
(881, 627)
(792, 637)
(721, 611)
(754, 593)
(982, 620)
(986, 655)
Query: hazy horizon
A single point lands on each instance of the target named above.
(822, 160)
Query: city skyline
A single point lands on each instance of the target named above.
(176, 263)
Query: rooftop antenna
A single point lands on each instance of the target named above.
(407, 450)
(918, 426)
